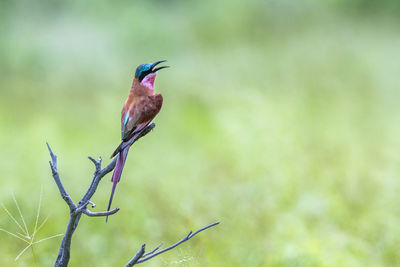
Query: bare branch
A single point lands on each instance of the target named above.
(143, 258)
(102, 213)
(81, 207)
(56, 177)
(202, 229)
(138, 255)
(77, 210)
(154, 250)
(97, 163)
(91, 203)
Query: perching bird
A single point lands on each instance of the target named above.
(139, 110)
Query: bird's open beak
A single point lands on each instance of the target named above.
(159, 68)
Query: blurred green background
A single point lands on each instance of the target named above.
(281, 120)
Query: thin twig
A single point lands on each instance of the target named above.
(56, 177)
(143, 258)
(154, 250)
(101, 213)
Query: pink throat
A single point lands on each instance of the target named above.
(148, 81)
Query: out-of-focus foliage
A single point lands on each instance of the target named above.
(280, 119)
(370, 6)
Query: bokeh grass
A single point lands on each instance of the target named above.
(280, 120)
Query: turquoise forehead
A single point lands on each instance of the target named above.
(142, 68)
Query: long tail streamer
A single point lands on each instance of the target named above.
(119, 166)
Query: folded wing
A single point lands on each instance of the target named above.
(140, 115)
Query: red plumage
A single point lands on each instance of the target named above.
(139, 110)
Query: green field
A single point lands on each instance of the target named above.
(281, 120)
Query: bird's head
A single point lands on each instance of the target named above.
(146, 73)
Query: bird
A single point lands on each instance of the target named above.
(140, 108)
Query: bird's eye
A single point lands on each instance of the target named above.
(143, 74)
